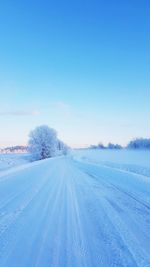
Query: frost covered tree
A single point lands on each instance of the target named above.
(63, 148)
(114, 146)
(139, 143)
(99, 146)
(43, 142)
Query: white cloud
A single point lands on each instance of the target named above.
(20, 113)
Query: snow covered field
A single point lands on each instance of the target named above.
(83, 210)
(137, 161)
(8, 161)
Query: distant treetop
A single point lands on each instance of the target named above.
(139, 143)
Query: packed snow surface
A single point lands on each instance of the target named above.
(75, 211)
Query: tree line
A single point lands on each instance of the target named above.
(137, 143)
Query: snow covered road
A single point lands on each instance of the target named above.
(64, 212)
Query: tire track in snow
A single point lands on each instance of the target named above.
(17, 220)
(140, 255)
(78, 238)
(108, 247)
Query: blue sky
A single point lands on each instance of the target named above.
(82, 67)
